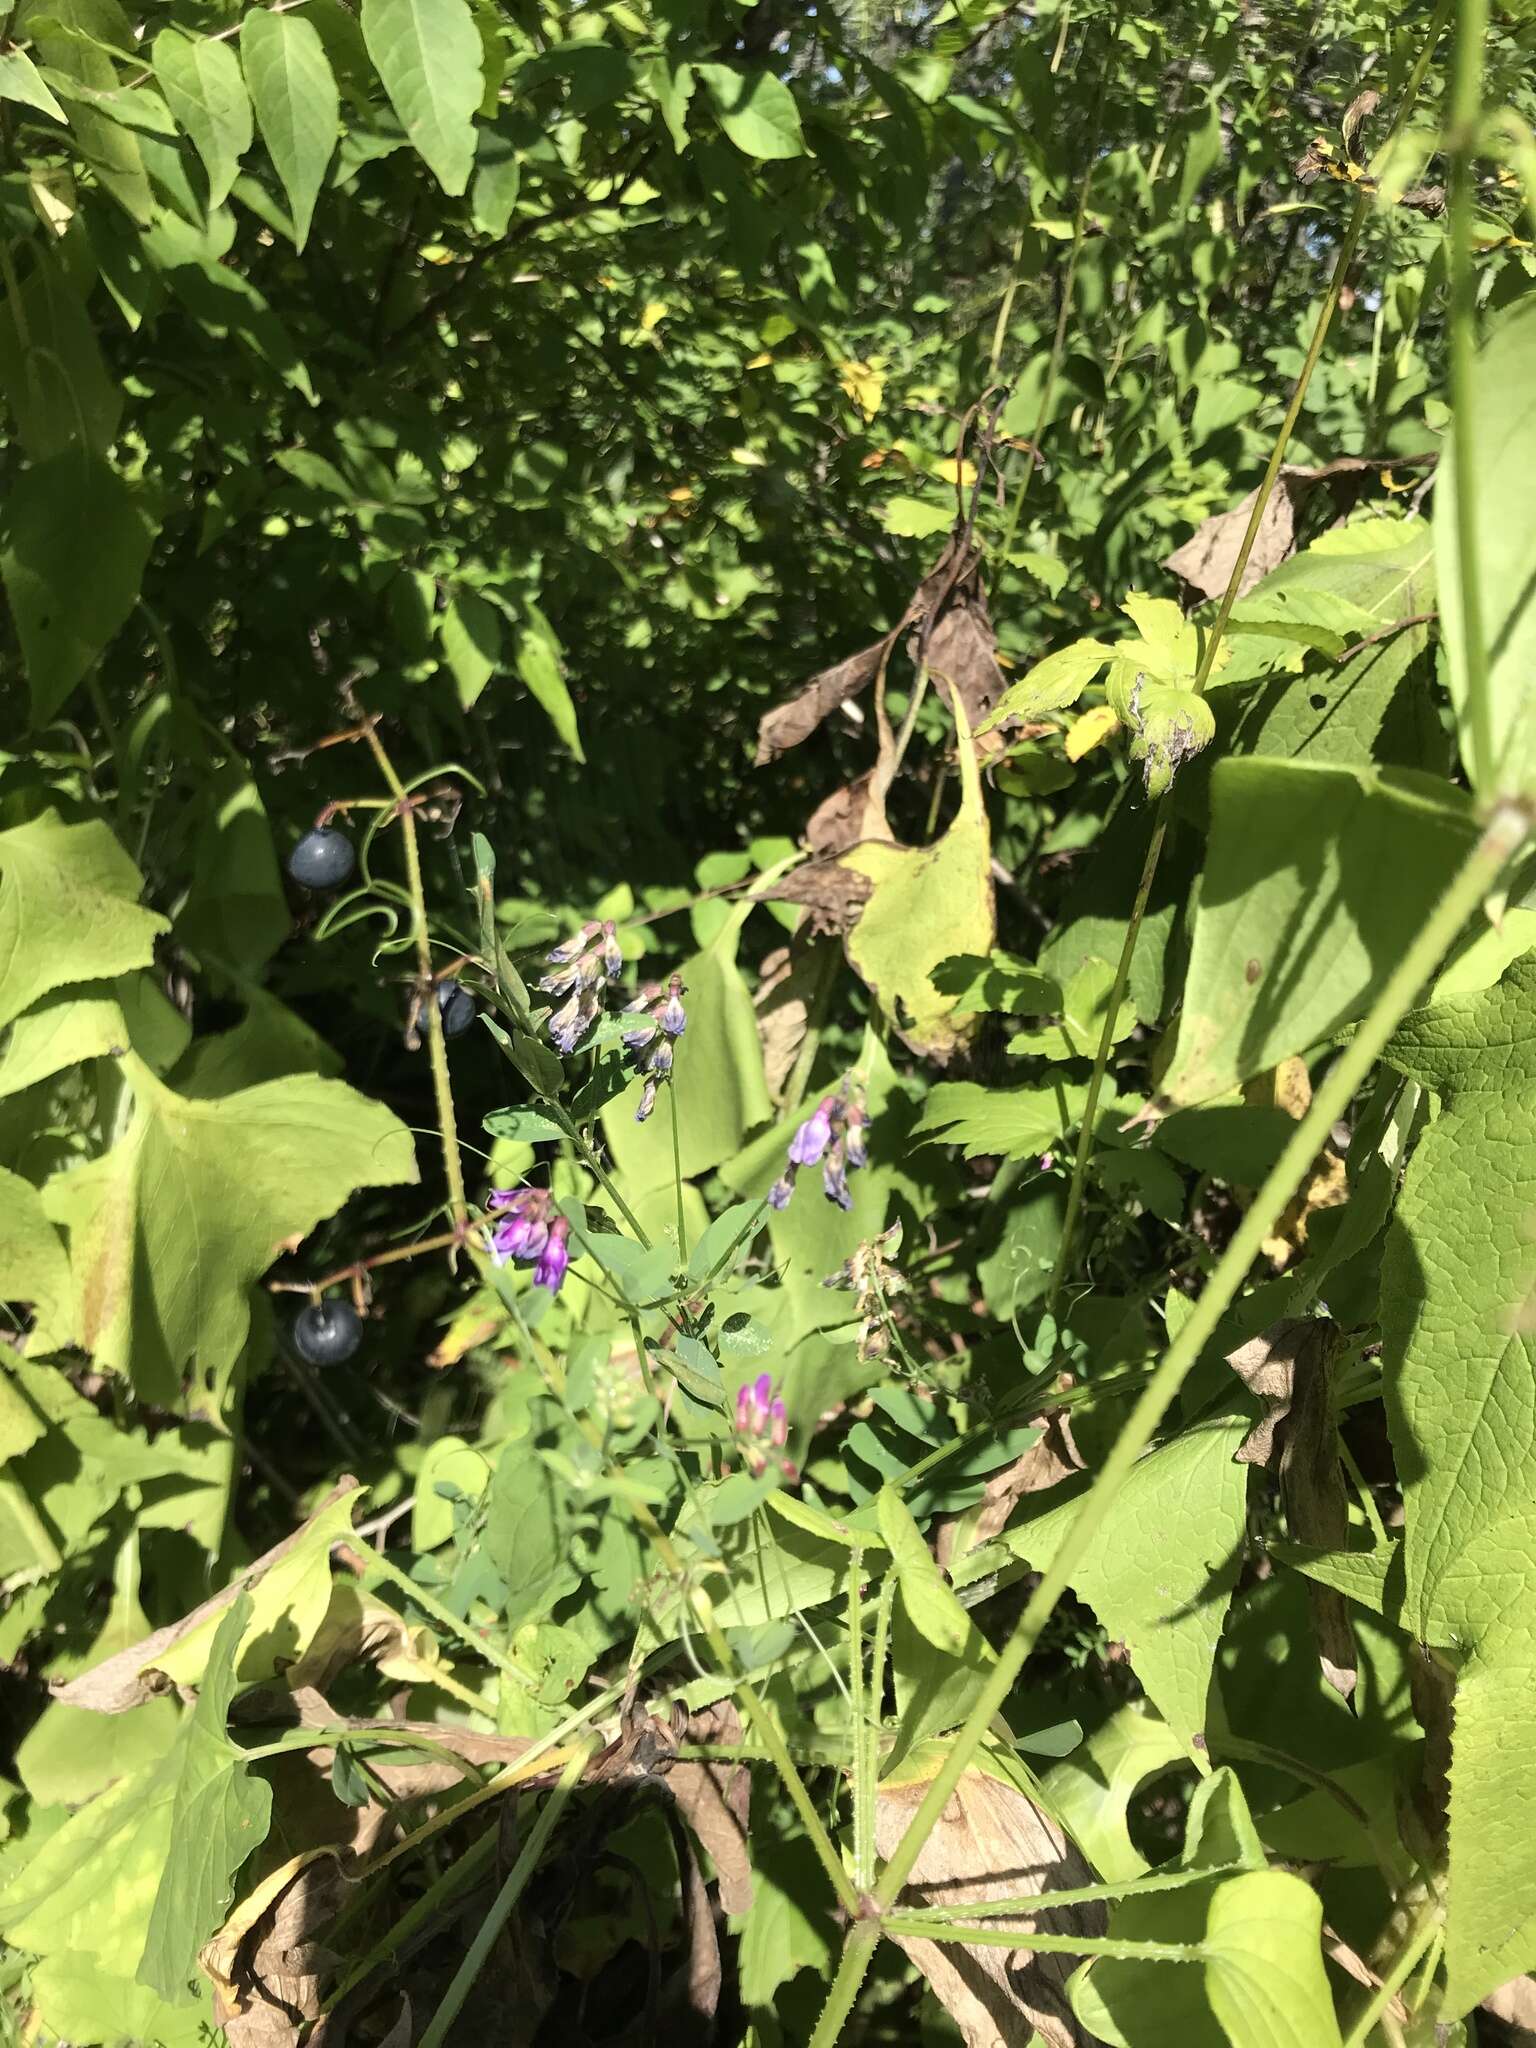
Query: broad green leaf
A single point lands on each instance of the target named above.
(925, 904)
(1459, 1352)
(34, 1268)
(1163, 1567)
(916, 518)
(1316, 877)
(139, 1878)
(235, 915)
(429, 58)
(51, 367)
(1503, 430)
(1013, 1123)
(756, 110)
(1168, 725)
(294, 95)
(204, 89)
(60, 514)
(789, 1927)
(69, 910)
(250, 1169)
(538, 663)
(498, 180)
(77, 2001)
(1264, 1969)
(68, 39)
(470, 630)
(20, 81)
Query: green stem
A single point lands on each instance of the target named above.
(1466, 96)
(858, 1951)
(454, 1879)
(1505, 834)
(490, 1927)
(677, 1175)
(1420, 1935)
(443, 1616)
(916, 1927)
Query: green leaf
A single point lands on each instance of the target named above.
(1316, 877)
(525, 1125)
(251, 1169)
(204, 89)
(538, 663)
(51, 366)
(1012, 1123)
(68, 38)
(930, 1603)
(1162, 1571)
(21, 82)
(1264, 1969)
(139, 1878)
(718, 1239)
(756, 110)
(1054, 683)
(925, 904)
(1503, 430)
(34, 1269)
(1459, 1356)
(1168, 725)
(526, 1535)
(916, 518)
(428, 56)
(69, 910)
(297, 108)
(470, 630)
(498, 180)
(72, 509)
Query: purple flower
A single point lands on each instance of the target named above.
(524, 1228)
(647, 1102)
(762, 1425)
(554, 1258)
(854, 1135)
(814, 1135)
(571, 948)
(613, 959)
(573, 1020)
(672, 1017)
(782, 1189)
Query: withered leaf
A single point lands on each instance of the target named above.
(993, 1842)
(962, 649)
(789, 981)
(713, 1799)
(787, 724)
(1207, 558)
(832, 895)
(1052, 1458)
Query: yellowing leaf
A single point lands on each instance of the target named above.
(1090, 731)
(652, 314)
(864, 384)
(962, 473)
(928, 903)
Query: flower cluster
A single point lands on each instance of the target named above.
(762, 1428)
(660, 1018)
(583, 965)
(832, 1137)
(529, 1233)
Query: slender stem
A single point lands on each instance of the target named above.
(915, 1927)
(454, 1879)
(677, 1174)
(1505, 834)
(429, 1604)
(437, 1051)
(1466, 95)
(490, 1927)
(858, 1951)
(1420, 1935)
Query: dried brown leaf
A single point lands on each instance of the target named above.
(790, 980)
(713, 1799)
(1207, 558)
(993, 1842)
(1054, 1457)
(1515, 2004)
(831, 895)
(962, 648)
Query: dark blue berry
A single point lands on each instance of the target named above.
(327, 1332)
(323, 859)
(456, 1008)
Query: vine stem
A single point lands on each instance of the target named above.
(437, 1051)
(1466, 96)
(1504, 835)
(1212, 648)
(1420, 1935)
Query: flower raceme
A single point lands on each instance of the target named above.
(582, 965)
(530, 1234)
(659, 1019)
(831, 1137)
(762, 1427)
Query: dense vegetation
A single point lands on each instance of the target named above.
(768, 1023)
